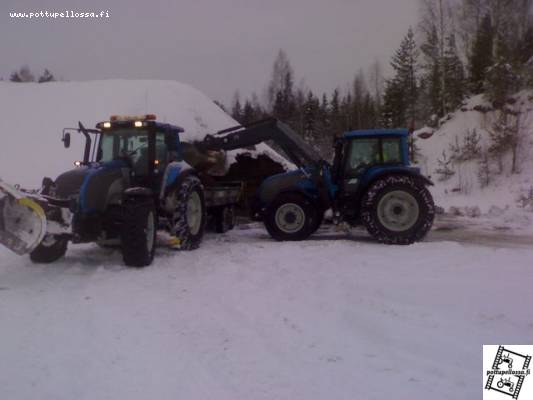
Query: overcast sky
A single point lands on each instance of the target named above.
(214, 45)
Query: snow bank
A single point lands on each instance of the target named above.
(33, 116)
(464, 189)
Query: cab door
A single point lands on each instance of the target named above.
(360, 155)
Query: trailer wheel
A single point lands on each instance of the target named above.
(398, 209)
(138, 234)
(319, 220)
(188, 220)
(49, 250)
(224, 219)
(291, 217)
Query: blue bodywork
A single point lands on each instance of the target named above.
(93, 171)
(301, 180)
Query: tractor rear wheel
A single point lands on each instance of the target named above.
(189, 217)
(398, 209)
(139, 230)
(291, 217)
(49, 250)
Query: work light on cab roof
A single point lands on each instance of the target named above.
(137, 120)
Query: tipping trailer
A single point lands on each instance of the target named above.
(133, 180)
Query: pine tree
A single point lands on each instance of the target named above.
(46, 77)
(336, 118)
(22, 75)
(248, 114)
(311, 111)
(444, 169)
(482, 54)
(501, 81)
(501, 138)
(471, 147)
(281, 82)
(359, 93)
(483, 173)
(236, 108)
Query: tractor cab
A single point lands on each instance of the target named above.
(123, 152)
(145, 145)
(361, 155)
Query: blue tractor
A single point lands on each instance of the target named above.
(134, 179)
(369, 183)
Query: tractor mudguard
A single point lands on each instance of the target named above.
(22, 220)
(380, 172)
(174, 176)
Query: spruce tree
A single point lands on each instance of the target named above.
(482, 54)
(402, 90)
(431, 80)
(236, 108)
(454, 76)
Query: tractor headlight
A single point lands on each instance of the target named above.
(77, 163)
(138, 124)
(107, 125)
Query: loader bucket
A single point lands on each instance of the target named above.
(22, 220)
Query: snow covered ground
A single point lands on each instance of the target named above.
(244, 317)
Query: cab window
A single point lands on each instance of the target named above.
(363, 153)
(392, 152)
(161, 153)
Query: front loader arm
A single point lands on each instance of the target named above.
(298, 151)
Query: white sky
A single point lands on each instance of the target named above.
(215, 45)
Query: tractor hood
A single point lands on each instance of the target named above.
(68, 184)
(84, 179)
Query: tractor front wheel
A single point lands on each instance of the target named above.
(49, 250)
(291, 217)
(398, 209)
(139, 230)
(189, 216)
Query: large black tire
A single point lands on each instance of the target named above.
(224, 219)
(398, 209)
(188, 221)
(50, 250)
(291, 217)
(139, 228)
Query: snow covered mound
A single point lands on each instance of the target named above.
(33, 116)
(475, 179)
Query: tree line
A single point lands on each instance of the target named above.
(24, 74)
(459, 48)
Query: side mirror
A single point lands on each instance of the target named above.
(66, 140)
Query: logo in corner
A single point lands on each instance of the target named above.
(508, 372)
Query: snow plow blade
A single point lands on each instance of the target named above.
(22, 220)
